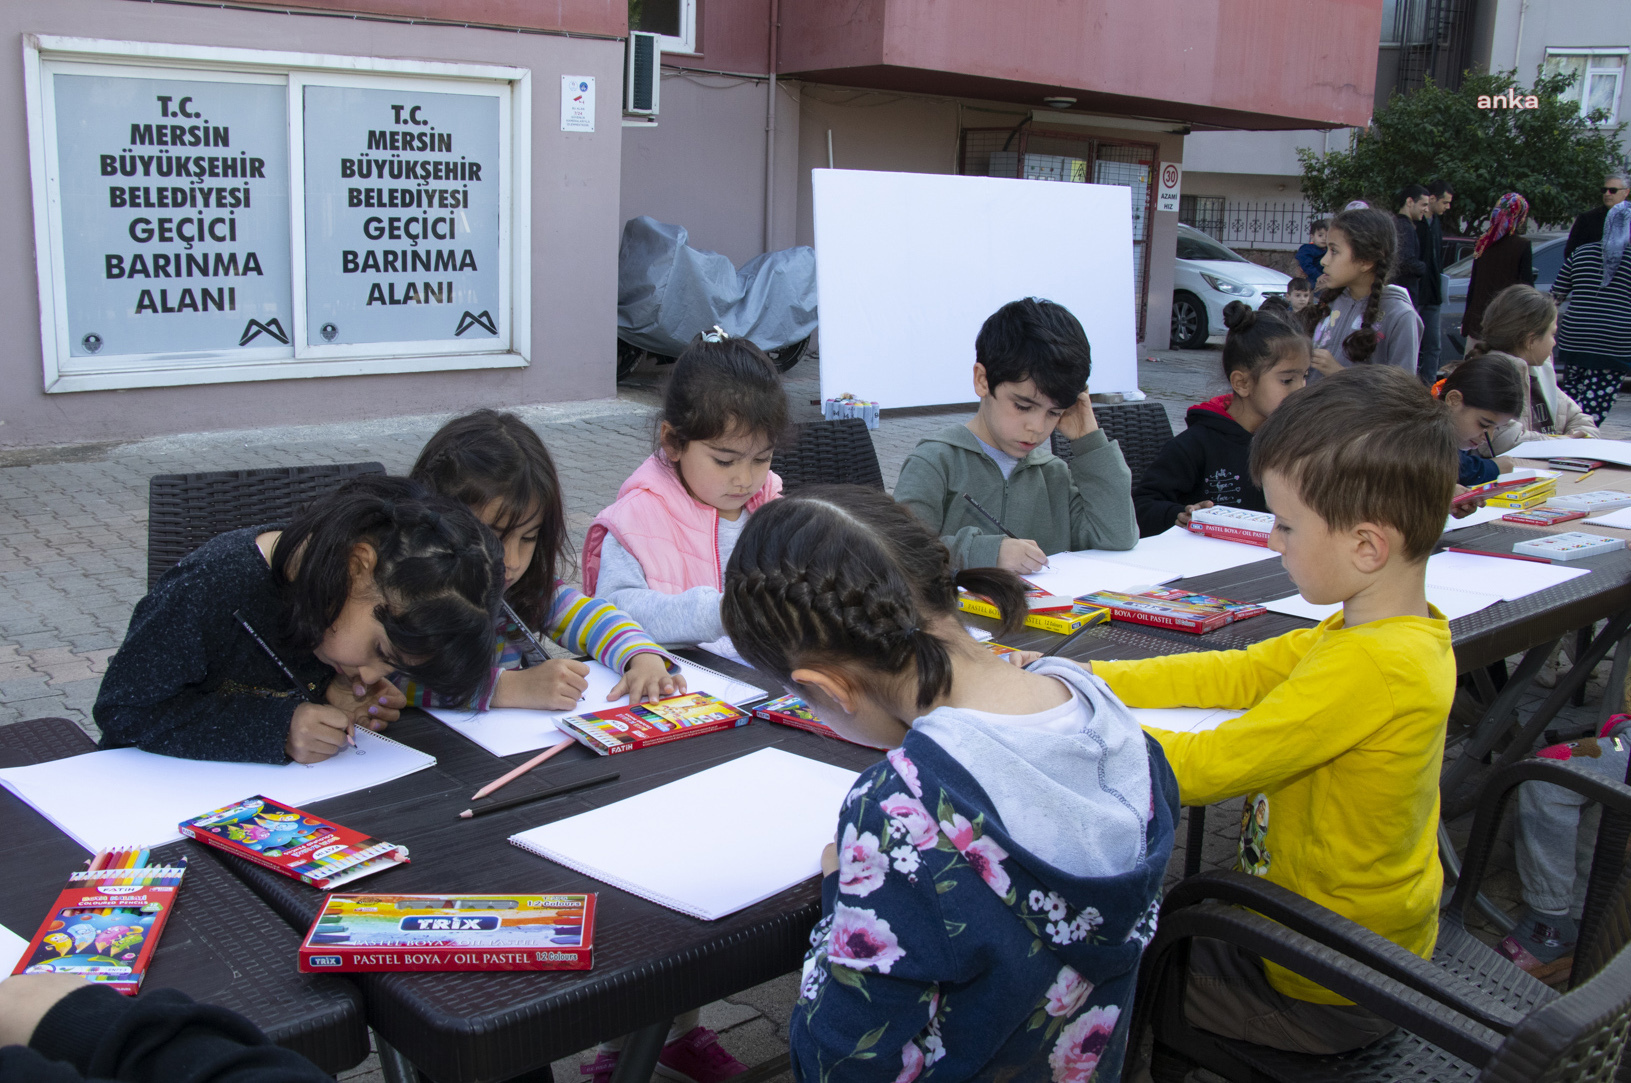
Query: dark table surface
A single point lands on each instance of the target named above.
(650, 962)
(222, 944)
(1480, 638)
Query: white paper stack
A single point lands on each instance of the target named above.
(507, 731)
(711, 843)
(127, 797)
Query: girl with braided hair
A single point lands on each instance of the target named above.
(995, 878)
(1357, 320)
(494, 464)
(269, 644)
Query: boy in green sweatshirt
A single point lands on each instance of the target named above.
(1032, 362)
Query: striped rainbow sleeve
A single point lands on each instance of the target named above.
(597, 628)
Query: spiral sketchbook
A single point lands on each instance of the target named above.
(711, 843)
(125, 795)
(508, 731)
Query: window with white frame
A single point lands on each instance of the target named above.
(212, 215)
(673, 21)
(1600, 77)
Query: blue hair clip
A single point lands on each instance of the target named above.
(716, 335)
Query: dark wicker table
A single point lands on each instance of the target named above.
(222, 945)
(651, 963)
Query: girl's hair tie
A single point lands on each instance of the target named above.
(716, 335)
(1438, 388)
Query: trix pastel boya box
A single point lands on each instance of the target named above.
(381, 933)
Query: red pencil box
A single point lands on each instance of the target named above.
(104, 925)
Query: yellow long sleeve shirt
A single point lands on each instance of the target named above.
(1338, 757)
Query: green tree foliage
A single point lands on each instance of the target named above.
(1551, 154)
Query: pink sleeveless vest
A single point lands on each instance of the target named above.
(673, 535)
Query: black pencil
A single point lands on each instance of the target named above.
(553, 791)
(521, 624)
(310, 694)
(994, 520)
(1065, 642)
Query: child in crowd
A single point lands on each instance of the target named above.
(996, 876)
(659, 552)
(1357, 320)
(378, 576)
(1310, 254)
(1520, 328)
(496, 466)
(1299, 294)
(1031, 366)
(1548, 829)
(1482, 394)
(1265, 358)
(1337, 755)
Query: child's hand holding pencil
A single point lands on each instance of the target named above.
(316, 732)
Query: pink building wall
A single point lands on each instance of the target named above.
(575, 227)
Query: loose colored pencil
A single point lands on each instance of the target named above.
(505, 779)
(1586, 475)
(1491, 553)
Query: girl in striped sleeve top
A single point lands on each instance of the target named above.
(498, 467)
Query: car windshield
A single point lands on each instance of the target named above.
(1193, 245)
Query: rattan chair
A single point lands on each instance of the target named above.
(186, 510)
(829, 452)
(1466, 1014)
(1141, 428)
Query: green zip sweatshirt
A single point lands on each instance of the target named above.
(1087, 504)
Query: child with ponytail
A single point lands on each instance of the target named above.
(1031, 792)
(1482, 394)
(271, 643)
(1357, 320)
(1519, 327)
(1265, 358)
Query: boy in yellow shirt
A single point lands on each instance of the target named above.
(1338, 752)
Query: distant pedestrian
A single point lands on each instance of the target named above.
(1593, 351)
(1589, 226)
(1310, 254)
(1410, 206)
(1500, 258)
(1430, 293)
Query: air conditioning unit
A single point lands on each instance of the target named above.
(642, 74)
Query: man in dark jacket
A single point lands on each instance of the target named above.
(1407, 265)
(1430, 294)
(1589, 226)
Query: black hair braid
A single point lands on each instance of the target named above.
(843, 574)
(1361, 345)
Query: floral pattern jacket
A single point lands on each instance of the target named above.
(947, 952)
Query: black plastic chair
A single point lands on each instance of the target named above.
(837, 452)
(1466, 1014)
(186, 510)
(1141, 428)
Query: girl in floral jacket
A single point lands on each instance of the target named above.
(996, 877)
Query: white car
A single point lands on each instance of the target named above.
(1209, 276)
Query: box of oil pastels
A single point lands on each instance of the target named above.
(376, 933)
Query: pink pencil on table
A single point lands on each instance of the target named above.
(523, 769)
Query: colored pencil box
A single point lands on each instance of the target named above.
(622, 729)
(294, 842)
(360, 934)
(1545, 515)
(1064, 623)
(1509, 485)
(1592, 502)
(1570, 546)
(105, 925)
(793, 711)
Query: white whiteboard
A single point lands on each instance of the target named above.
(909, 265)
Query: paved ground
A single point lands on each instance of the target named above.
(73, 546)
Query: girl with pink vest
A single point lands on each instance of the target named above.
(659, 552)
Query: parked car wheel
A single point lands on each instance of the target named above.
(786, 357)
(1189, 330)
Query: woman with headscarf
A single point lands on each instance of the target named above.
(1593, 351)
(1500, 258)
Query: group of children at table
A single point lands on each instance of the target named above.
(994, 879)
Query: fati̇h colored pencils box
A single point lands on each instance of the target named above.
(383, 933)
(106, 921)
(294, 842)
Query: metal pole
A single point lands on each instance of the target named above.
(770, 129)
